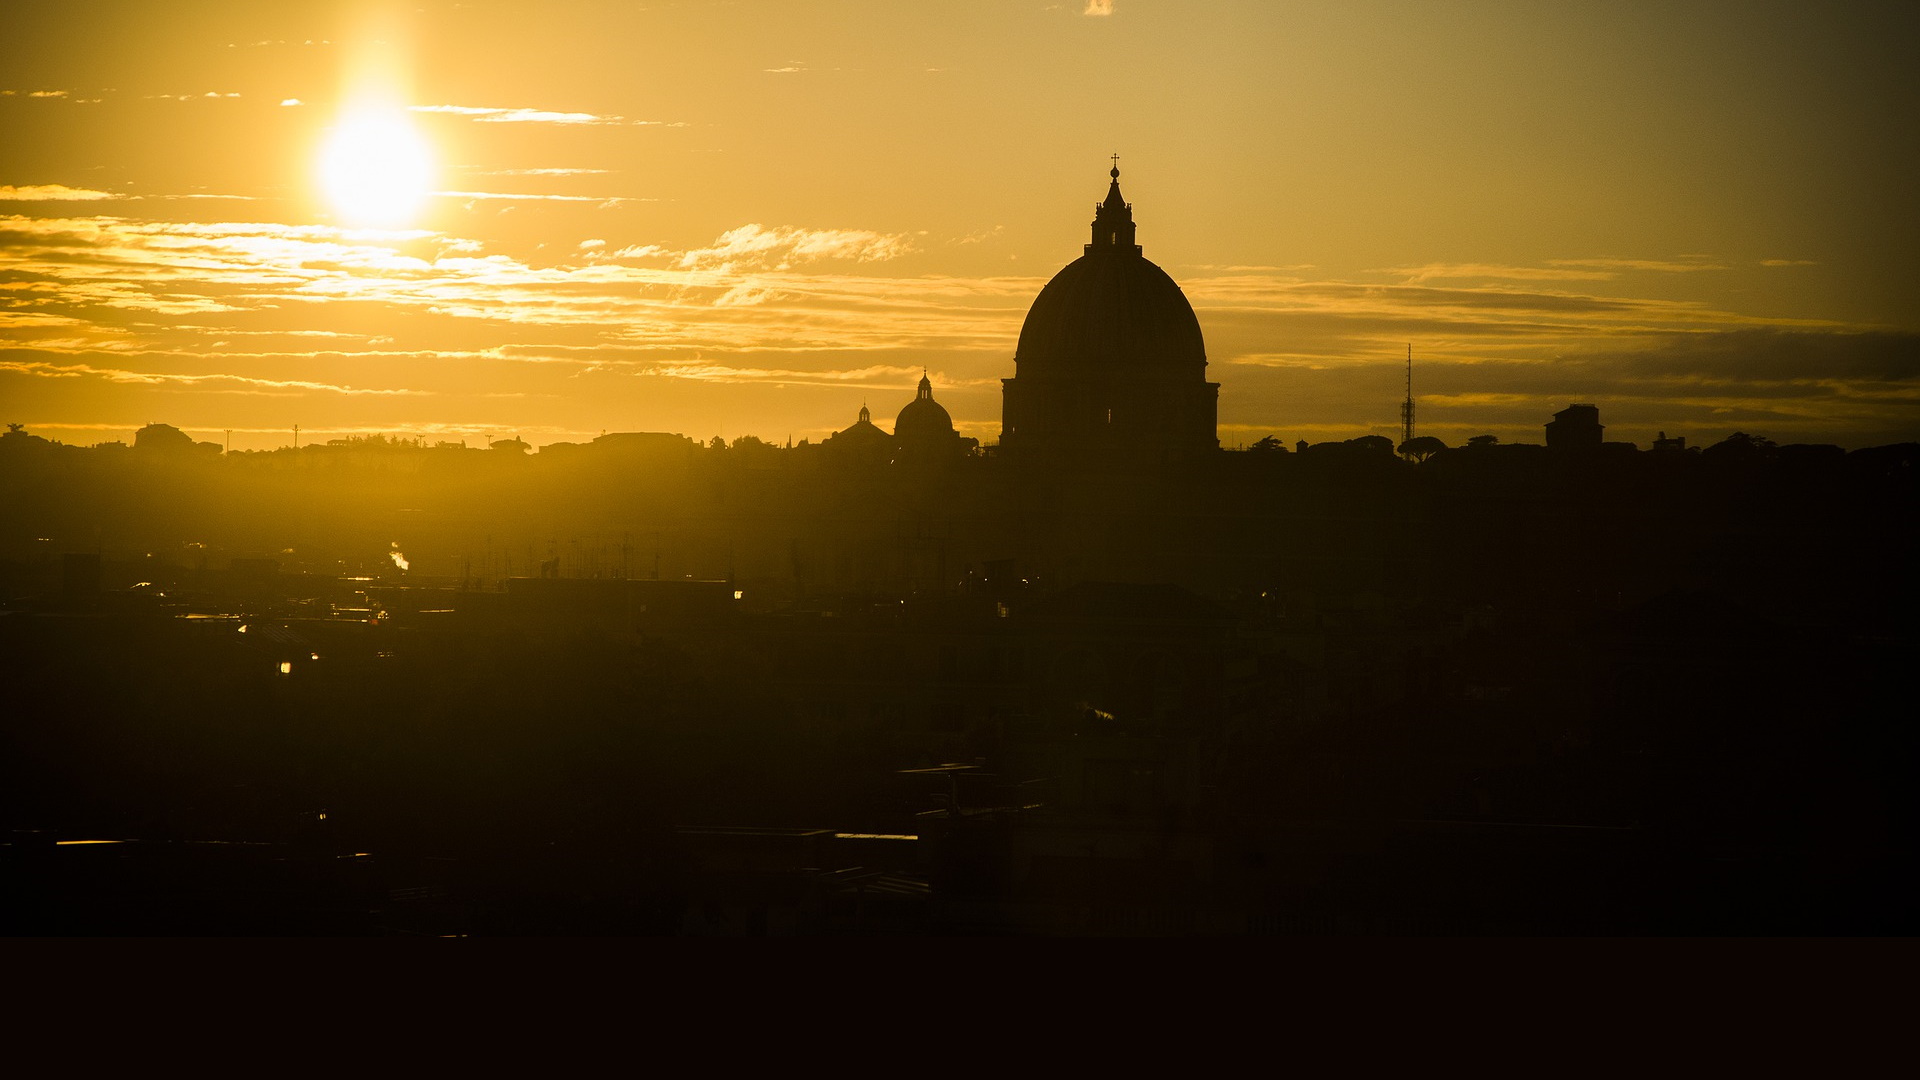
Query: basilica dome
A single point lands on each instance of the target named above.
(1110, 361)
(1111, 308)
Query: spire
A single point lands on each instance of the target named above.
(926, 387)
(1113, 227)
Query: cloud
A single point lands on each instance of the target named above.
(1788, 262)
(1100, 8)
(217, 383)
(528, 116)
(1684, 266)
(546, 172)
(784, 247)
(877, 376)
(1818, 385)
(1444, 271)
(509, 196)
(54, 193)
(731, 295)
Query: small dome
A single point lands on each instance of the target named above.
(924, 420)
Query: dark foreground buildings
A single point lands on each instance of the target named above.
(1104, 679)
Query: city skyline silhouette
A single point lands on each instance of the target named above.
(1692, 217)
(749, 470)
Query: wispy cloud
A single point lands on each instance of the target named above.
(488, 115)
(217, 382)
(512, 196)
(744, 291)
(784, 247)
(1664, 266)
(876, 377)
(546, 172)
(54, 193)
(1493, 271)
(1100, 8)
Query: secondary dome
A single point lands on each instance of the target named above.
(924, 419)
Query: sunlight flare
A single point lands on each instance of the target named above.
(376, 169)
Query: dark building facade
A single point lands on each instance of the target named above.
(1110, 363)
(1576, 427)
(924, 429)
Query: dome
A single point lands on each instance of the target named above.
(924, 419)
(1110, 309)
(1110, 362)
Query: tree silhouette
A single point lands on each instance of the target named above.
(1421, 447)
(1741, 446)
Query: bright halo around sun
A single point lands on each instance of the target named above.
(376, 169)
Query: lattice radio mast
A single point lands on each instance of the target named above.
(1406, 407)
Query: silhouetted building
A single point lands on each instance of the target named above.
(862, 443)
(924, 430)
(162, 438)
(1110, 362)
(1663, 444)
(1576, 427)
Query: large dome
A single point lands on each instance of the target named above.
(1110, 309)
(1110, 362)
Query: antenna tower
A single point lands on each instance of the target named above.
(1406, 407)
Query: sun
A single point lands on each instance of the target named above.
(376, 169)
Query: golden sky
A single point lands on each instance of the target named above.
(752, 217)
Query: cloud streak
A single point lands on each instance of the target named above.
(213, 382)
(490, 115)
(53, 193)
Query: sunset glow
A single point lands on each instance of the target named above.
(481, 221)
